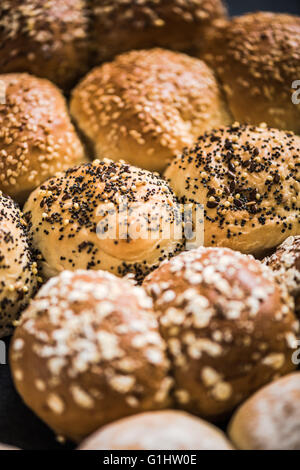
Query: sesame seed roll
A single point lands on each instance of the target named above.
(257, 58)
(103, 215)
(145, 106)
(120, 26)
(158, 430)
(269, 420)
(47, 38)
(247, 179)
(285, 262)
(37, 138)
(229, 327)
(87, 352)
(18, 271)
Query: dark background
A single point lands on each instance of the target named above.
(18, 425)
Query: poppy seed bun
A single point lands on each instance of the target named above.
(87, 352)
(285, 262)
(228, 325)
(45, 38)
(269, 420)
(18, 272)
(145, 106)
(72, 220)
(37, 138)
(120, 26)
(247, 179)
(158, 430)
(257, 58)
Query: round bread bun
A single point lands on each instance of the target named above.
(103, 215)
(145, 106)
(228, 324)
(269, 420)
(247, 179)
(286, 264)
(88, 351)
(174, 24)
(158, 430)
(47, 39)
(18, 271)
(37, 138)
(257, 59)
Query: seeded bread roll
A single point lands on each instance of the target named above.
(257, 59)
(87, 352)
(286, 264)
(270, 419)
(103, 215)
(37, 138)
(145, 106)
(228, 324)
(158, 430)
(247, 179)
(174, 24)
(45, 38)
(18, 271)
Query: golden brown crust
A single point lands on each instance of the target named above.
(18, 271)
(47, 39)
(120, 26)
(145, 106)
(88, 351)
(158, 430)
(37, 138)
(269, 420)
(247, 179)
(257, 58)
(228, 325)
(285, 262)
(103, 215)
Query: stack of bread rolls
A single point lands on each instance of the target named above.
(129, 333)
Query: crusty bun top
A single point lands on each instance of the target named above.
(37, 138)
(145, 106)
(257, 58)
(121, 25)
(247, 179)
(103, 215)
(46, 38)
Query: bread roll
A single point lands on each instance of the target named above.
(247, 179)
(18, 271)
(286, 264)
(269, 420)
(103, 215)
(87, 352)
(48, 39)
(158, 430)
(37, 138)
(145, 106)
(228, 325)
(257, 59)
(120, 26)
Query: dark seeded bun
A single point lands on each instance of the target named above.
(247, 179)
(145, 106)
(229, 327)
(45, 38)
(174, 24)
(257, 59)
(18, 271)
(78, 220)
(87, 352)
(158, 430)
(269, 420)
(37, 138)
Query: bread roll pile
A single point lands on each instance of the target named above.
(137, 324)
